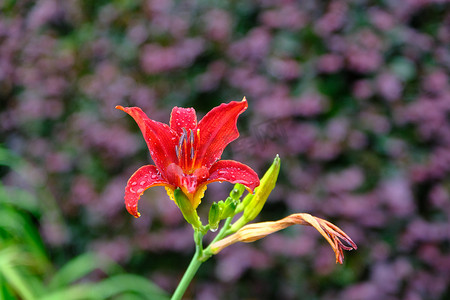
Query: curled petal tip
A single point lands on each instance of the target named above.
(120, 107)
(144, 178)
(132, 208)
(133, 211)
(244, 100)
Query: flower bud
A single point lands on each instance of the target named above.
(253, 204)
(214, 216)
(237, 191)
(189, 213)
(229, 207)
(244, 203)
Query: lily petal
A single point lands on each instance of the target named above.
(234, 172)
(183, 118)
(198, 196)
(218, 129)
(160, 138)
(142, 179)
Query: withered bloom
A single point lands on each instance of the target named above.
(337, 238)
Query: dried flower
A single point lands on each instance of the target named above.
(338, 239)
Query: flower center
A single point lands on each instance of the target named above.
(186, 150)
(189, 182)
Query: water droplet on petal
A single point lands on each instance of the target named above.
(142, 182)
(140, 191)
(154, 176)
(133, 183)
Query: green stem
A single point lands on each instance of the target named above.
(188, 275)
(200, 257)
(223, 231)
(207, 253)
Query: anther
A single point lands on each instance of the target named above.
(193, 146)
(182, 138)
(191, 136)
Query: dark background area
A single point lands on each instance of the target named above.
(353, 95)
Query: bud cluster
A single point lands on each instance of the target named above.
(225, 209)
(251, 205)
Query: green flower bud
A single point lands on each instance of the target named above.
(214, 216)
(188, 211)
(253, 204)
(228, 208)
(237, 191)
(246, 201)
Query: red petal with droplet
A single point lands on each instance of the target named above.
(218, 129)
(142, 179)
(160, 138)
(183, 117)
(234, 172)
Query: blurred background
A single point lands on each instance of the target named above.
(353, 95)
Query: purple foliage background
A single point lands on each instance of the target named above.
(353, 95)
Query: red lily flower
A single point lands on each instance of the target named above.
(187, 153)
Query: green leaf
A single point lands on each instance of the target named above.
(18, 198)
(18, 279)
(119, 284)
(77, 292)
(7, 158)
(18, 229)
(78, 268)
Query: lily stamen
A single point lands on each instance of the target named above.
(180, 144)
(195, 151)
(185, 141)
(192, 138)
